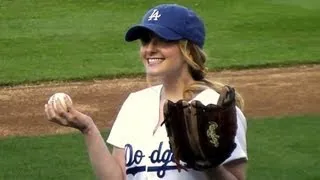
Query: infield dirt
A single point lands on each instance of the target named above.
(267, 92)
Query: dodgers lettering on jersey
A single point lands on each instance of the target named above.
(161, 155)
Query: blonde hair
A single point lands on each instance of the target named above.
(196, 58)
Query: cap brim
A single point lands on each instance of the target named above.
(136, 32)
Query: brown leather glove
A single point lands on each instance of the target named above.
(202, 136)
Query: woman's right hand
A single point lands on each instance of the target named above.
(69, 117)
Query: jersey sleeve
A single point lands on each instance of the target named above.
(118, 135)
(240, 139)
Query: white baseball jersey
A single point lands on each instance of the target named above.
(148, 154)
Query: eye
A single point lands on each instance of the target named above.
(166, 41)
(146, 36)
(145, 39)
(169, 41)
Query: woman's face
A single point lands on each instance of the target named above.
(161, 57)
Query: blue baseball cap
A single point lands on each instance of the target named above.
(170, 22)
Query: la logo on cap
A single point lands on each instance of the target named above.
(155, 15)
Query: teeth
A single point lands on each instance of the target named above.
(154, 61)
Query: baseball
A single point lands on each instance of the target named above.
(61, 97)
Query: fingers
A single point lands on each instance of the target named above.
(62, 112)
(54, 113)
(68, 102)
(185, 104)
(197, 104)
(60, 109)
(50, 110)
(46, 111)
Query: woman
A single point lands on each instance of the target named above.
(172, 38)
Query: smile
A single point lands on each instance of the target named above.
(152, 61)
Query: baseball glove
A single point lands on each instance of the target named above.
(201, 136)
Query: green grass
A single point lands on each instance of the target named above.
(284, 148)
(279, 148)
(42, 40)
(52, 157)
